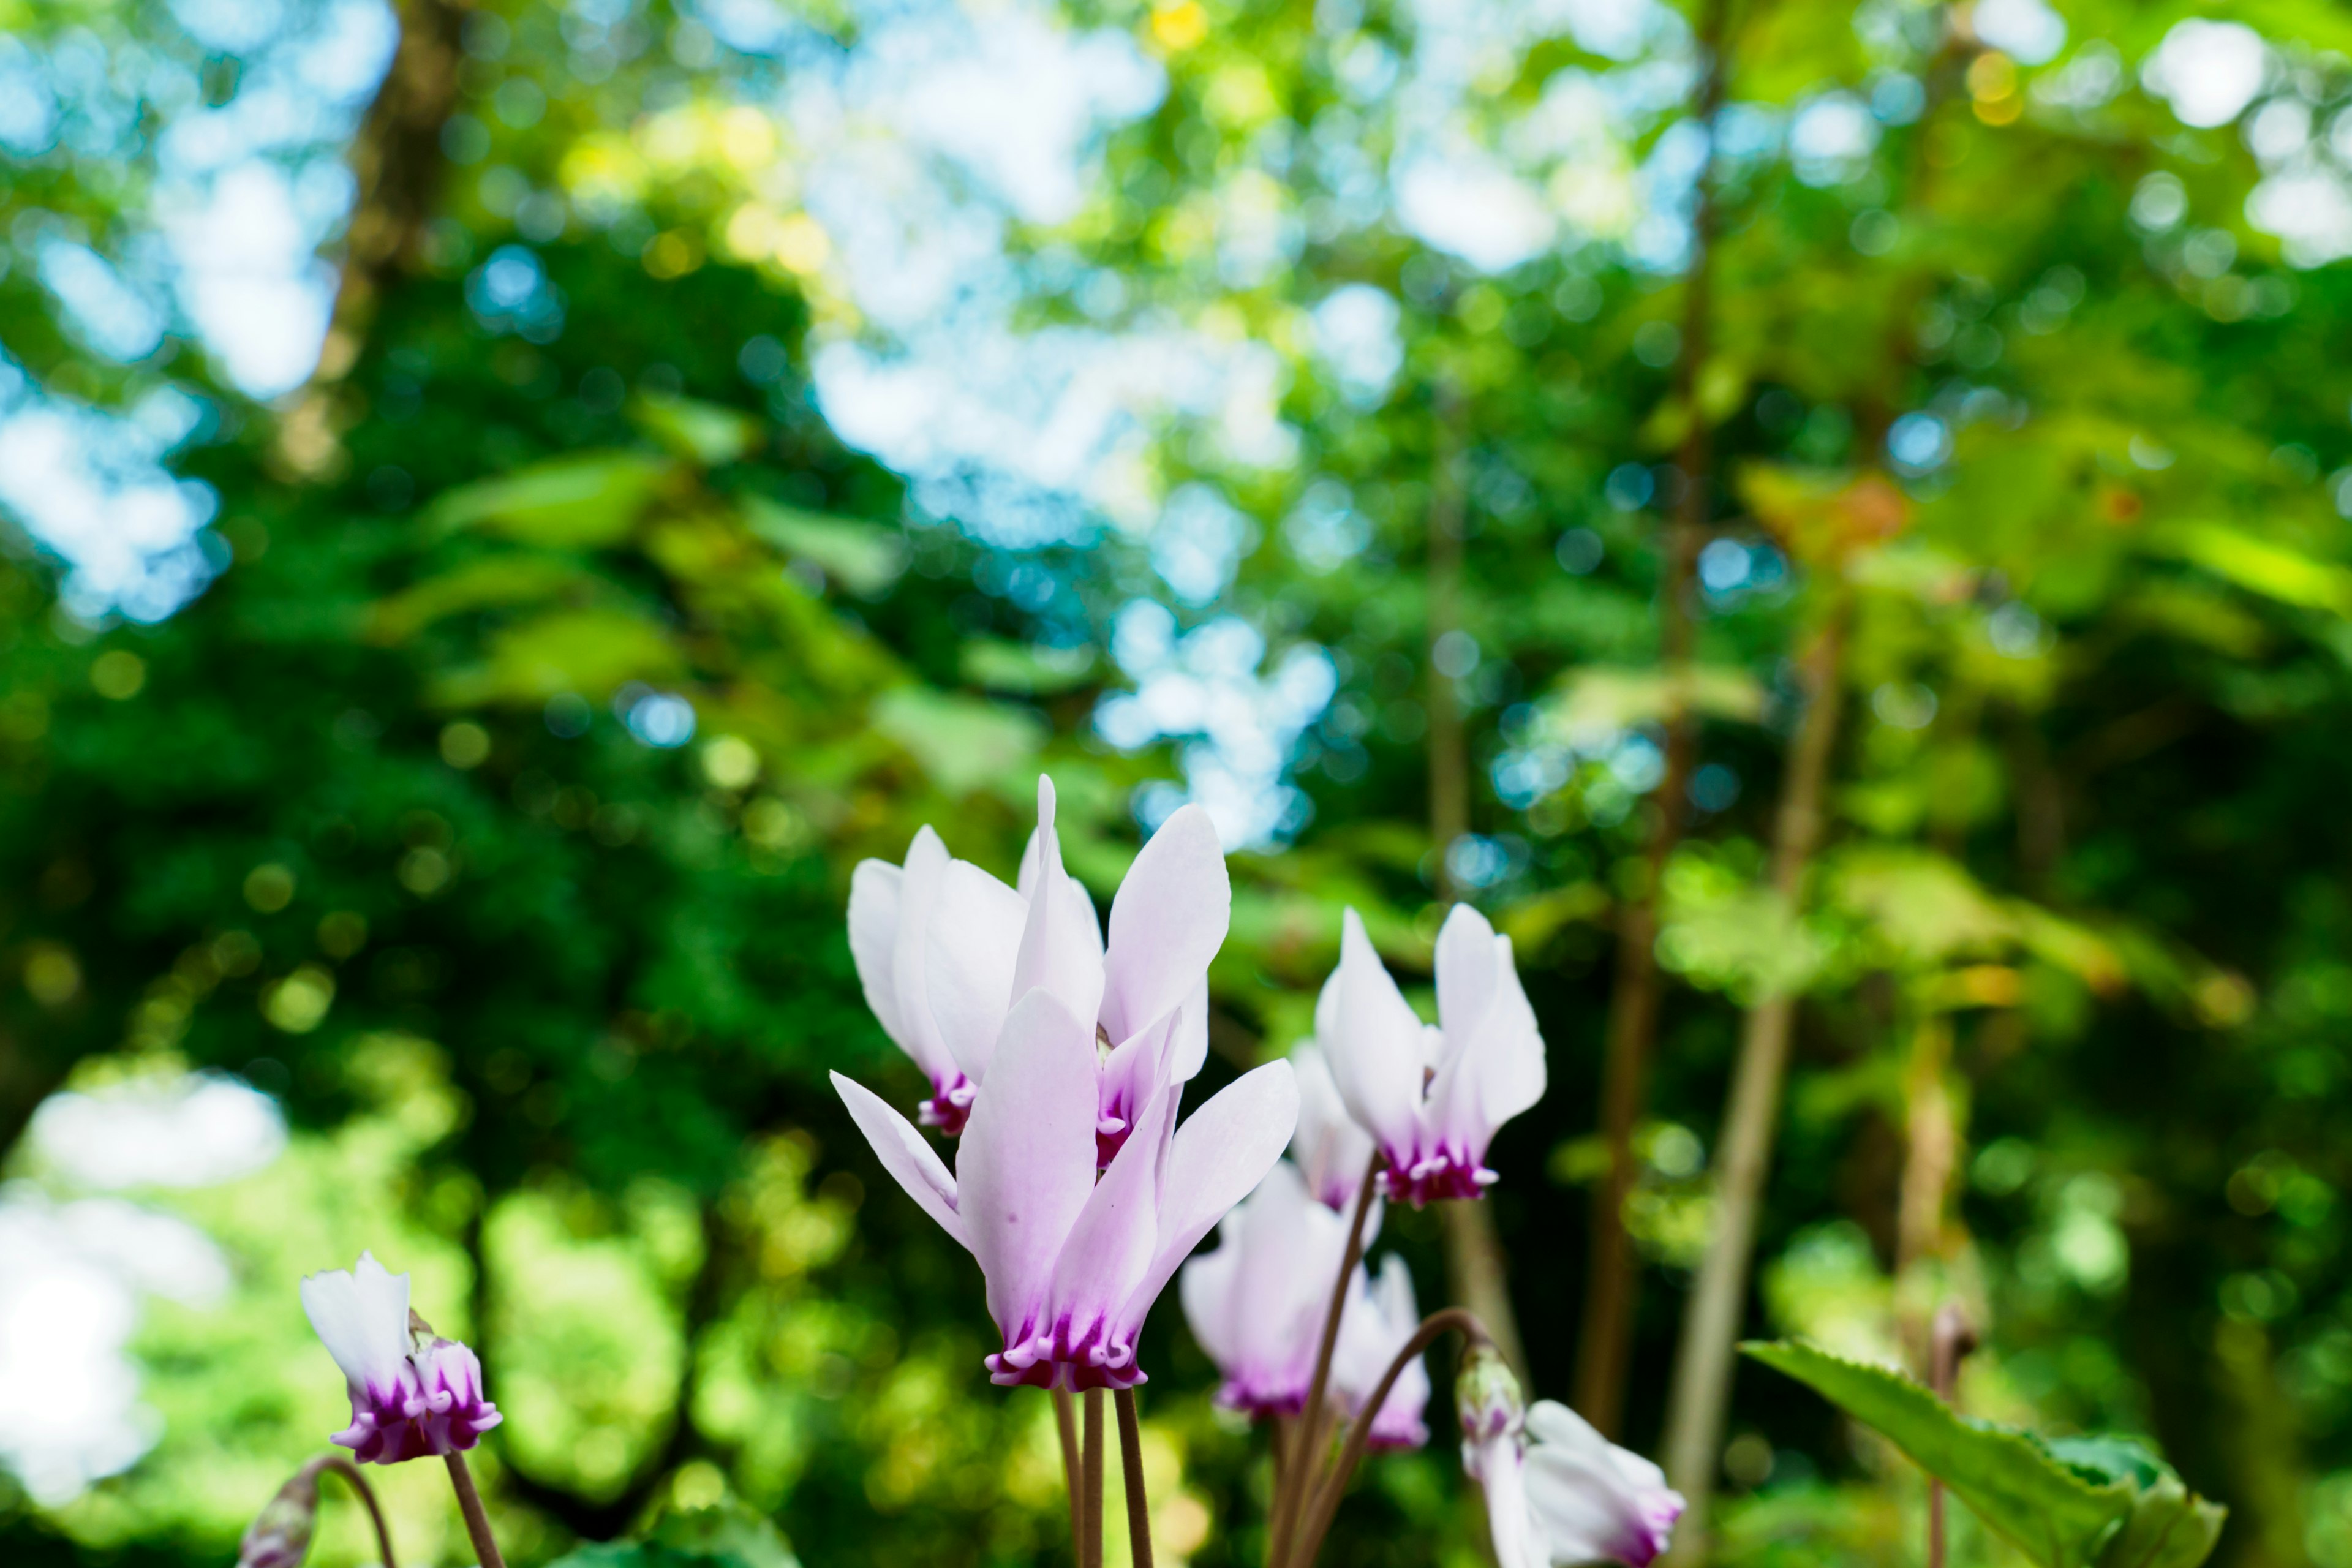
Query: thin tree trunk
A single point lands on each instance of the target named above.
(1613, 1278)
(1474, 1253)
(1703, 1367)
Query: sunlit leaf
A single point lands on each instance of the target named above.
(588, 501)
(962, 742)
(704, 433)
(866, 557)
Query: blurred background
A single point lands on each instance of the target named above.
(1799, 512)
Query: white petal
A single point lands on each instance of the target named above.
(1167, 922)
(904, 1153)
(967, 959)
(927, 864)
(1110, 1244)
(362, 1316)
(1061, 944)
(1222, 1151)
(1374, 1042)
(874, 940)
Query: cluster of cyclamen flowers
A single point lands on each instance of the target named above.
(1057, 1057)
(1057, 1054)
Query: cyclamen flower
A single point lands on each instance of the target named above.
(1257, 1303)
(1381, 1315)
(944, 950)
(1330, 1148)
(413, 1394)
(1558, 1492)
(1073, 1264)
(1432, 1096)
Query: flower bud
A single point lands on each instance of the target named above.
(280, 1535)
(1487, 1398)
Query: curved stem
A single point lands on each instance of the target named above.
(1066, 1424)
(1090, 1551)
(1131, 1449)
(359, 1483)
(1360, 1431)
(477, 1521)
(1290, 1500)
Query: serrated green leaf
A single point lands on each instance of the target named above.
(2050, 1511)
(586, 502)
(2169, 1527)
(865, 557)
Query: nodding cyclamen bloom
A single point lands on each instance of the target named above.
(1257, 1304)
(1558, 1492)
(1073, 1263)
(1330, 1148)
(1432, 1096)
(1381, 1315)
(944, 950)
(412, 1394)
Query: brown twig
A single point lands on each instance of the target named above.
(1954, 1338)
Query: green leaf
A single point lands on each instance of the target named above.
(2169, 1527)
(2052, 1510)
(865, 557)
(1001, 666)
(586, 502)
(589, 652)
(705, 433)
(499, 582)
(961, 742)
(729, 1535)
(2261, 567)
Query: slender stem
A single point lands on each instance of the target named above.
(1302, 1467)
(359, 1483)
(477, 1523)
(1360, 1432)
(1130, 1449)
(1065, 1422)
(1953, 1338)
(1090, 1544)
(1613, 1276)
(1704, 1364)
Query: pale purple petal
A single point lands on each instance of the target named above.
(1271, 1276)
(1498, 1466)
(362, 1315)
(1025, 1166)
(1594, 1500)
(1169, 920)
(873, 935)
(1061, 946)
(1378, 1323)
(1221, 1152)
(927, 864)
(1493, 1068)
(968, 955)
(904, 1153)
(1110, 1245)
(1374, 1045)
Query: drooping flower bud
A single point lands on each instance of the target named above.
(280, 1535)
(1487, 1397)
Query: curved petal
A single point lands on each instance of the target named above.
(911, 1162)
(1061, 944)
(1375, 1043)
(968, 960)
(1025, 1166)
(1330, 1147)
(1167, 922)
(926, 863)
(1497, 1465)
(1205, 1287)
(1221, 1152)
(1188, 1052)
(874, 940)
(1110, 1245)
(1465, 963)
(362, 1316)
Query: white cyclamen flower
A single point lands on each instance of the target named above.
(1432, 1096)
(412, 1394)
(1559, 1493)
